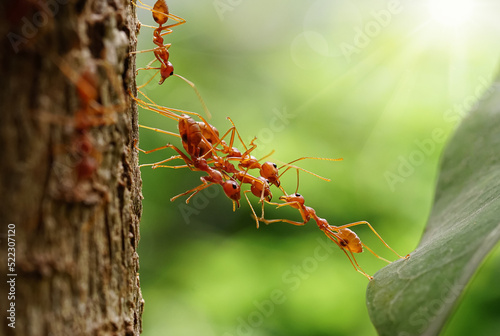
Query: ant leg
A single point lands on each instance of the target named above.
(263, 199)
(252, 145)
(304, 170)
(143, 5)
(194, 190)
(302, 214)
(356, 267)
(232, 130)
(168, 45)
(148, 66)
(265, 156)
(160, 130)
(333, 237)
(158, 164)
(376, 255)
(161, 9)
(314, 158)
(149, 81)
(289, 166)
(143, 51)
(371, 228)
(145, 25)
(270, 221)
(190, 196)
(213, 147)
(183, 156)
(164, 111)
(205, 108)
(160, 109)
(254, 215)
(153, 150)
(176, 18)
(207, 112)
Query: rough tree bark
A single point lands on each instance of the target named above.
(69, 181)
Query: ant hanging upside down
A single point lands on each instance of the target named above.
(345, 238)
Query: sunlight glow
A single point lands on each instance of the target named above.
(451, 13)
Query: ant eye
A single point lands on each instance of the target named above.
(298, 195)
(234, 185)
(275, 165)
(171, 73)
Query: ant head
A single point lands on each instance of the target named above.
(165, 72)
(160, 12)
(269, 170)
(293, 198)
(232, 190)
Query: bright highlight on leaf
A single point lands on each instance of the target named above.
(417, 296)
(451, 13)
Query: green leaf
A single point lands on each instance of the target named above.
(417, 295)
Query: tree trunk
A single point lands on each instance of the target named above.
(70, 183)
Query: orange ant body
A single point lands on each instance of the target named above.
(208, 152)
(196, 136)
(345, 238)
(161, 15)
(201, 140)
(231, 187)
(194, 140)
(84, 158)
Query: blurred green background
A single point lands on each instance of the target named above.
(381, 84)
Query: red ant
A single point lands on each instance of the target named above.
(201, 138)
(194, 140)
(269, 173)
(230, 186)
(259, 185)
(345, 238)
(161, 15)
(268, 170)
(196, 136)
(85, 157)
